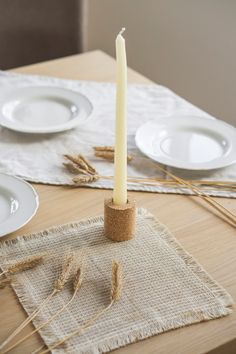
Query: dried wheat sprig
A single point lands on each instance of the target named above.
(160, 181)
(176, 185)
(91, 169)
(228, 215)
(78, 279)
(171, 181)
(209, 182)
(104, 148)
(80, 330)
(148, 181)
(80, 270)
(25, 322)
(109, 155)
(66, 271)
(72, 168)
(85, 179)
(116, 285)
(107, 152)
(4, 282)
(82, 163)
(116, 281)
(24, 264)
(77, 161)
(77, 282)
(58, 286)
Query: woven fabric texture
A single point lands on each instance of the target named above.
(163, 286)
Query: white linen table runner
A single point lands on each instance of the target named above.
(39, 158)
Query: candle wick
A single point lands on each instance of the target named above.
(122, 31)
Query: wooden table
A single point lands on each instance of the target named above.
(201, 232)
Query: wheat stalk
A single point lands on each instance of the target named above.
(229, 216)
(116, 281)
(24, 264)
(73, 168)
(79, 164)
(65, 272)
(90, 168)
(148, 181)
(82, 163)
(78, 279)
(85, 179)
(116, 286)
(174, 183)
(77, 161)
(25, 323)
(107, 152)
(58, 286)
(109, 155)
(77, 282)
(104, 148)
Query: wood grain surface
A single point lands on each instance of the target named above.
(203, 234)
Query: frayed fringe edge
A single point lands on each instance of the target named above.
(135, 335)
(219, 292)
(63, 229)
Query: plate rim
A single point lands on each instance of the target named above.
(36, 206)
(63, 127)
(197, 167)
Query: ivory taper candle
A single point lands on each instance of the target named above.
(120, 174)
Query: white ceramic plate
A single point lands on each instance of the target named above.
(188, 142)
(18, 203)
(40, 109)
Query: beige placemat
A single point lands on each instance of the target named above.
(164, 287)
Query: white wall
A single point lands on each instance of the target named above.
(187, 45)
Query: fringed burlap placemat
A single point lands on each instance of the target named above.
(163, 287)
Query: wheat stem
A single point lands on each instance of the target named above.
(43, 324)
(161, 181)
(81, 179)
(104, 148)
(116, 285)
(78, 331)
(26, 322)
(58, 286)
(24, 264)
(76, 286)
(229, 216)
(90, 168)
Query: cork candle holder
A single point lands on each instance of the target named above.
(119, 220)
